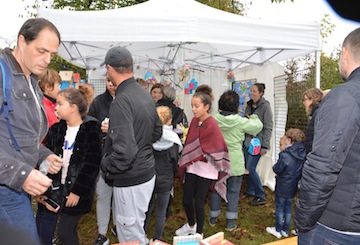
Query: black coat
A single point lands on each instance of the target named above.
(178, 115)
(166, 163)
(83, 168)
(310, 129)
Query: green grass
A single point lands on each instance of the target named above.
(251, 222)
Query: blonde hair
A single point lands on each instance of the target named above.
(164, 114)
(295, 135)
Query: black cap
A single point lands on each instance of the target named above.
(118, 57)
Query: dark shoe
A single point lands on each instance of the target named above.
(230, 225)
(113, 230)
(102, 240)
(212, 222)
(257, 201)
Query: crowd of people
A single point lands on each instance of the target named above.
(62, 148)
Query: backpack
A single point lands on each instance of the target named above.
(254, 146)
(7, 105)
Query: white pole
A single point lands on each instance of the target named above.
(317, 69)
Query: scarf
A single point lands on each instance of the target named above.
(206, 143)
(168, 139)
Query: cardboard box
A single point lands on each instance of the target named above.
(216, 239)
(187, 240)
(128, 243)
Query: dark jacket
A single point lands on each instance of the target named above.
(288, 169)
(133, 127)
(84, 164)
(100, 106)
(261, 108)
(310, 129)
(28, 124)
(166, 163)
(330, 183)
(178, 115)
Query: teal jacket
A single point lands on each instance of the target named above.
(233, 128)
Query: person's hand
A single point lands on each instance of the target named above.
(262, 152)
(105, 125)
(36, 183)
(55, 163)
(72, 200)
(40, 199)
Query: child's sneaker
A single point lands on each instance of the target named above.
(186, 230)
(284, 234)
(230, 225)
(272, 231)
(212, 222)
(294, 232)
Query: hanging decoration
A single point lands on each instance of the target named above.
(184, 71)
(191, 86)
(230, 77)
(150, 78)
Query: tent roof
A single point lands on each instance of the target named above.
(170, 33)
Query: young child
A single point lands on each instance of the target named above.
(205, 159)
(288, 170)
(166, 153)
(77, 138)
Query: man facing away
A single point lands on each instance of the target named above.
(21, 135)
(327, 211)
(128, 163)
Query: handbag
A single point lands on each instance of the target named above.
(254, 146)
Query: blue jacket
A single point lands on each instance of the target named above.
(288, 169)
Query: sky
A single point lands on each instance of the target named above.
(298, 11)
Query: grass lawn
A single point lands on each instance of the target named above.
(251, 222)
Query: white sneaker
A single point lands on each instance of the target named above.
(273, 232)
(186, 230)
(284, 234)
(294, 232)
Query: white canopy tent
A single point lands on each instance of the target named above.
(170, 33)
(163, 35)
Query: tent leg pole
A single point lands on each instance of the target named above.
(317, 69)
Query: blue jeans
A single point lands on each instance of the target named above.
(16, 211)
(233, 185)
(282, 213)
(321, 235)
(46, 224)
(254, 185)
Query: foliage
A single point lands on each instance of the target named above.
(94, 4)
(231, 6)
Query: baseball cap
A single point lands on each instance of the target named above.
(118, 57)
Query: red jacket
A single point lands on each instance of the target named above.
(50, 111)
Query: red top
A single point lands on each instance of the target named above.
(50, 111)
